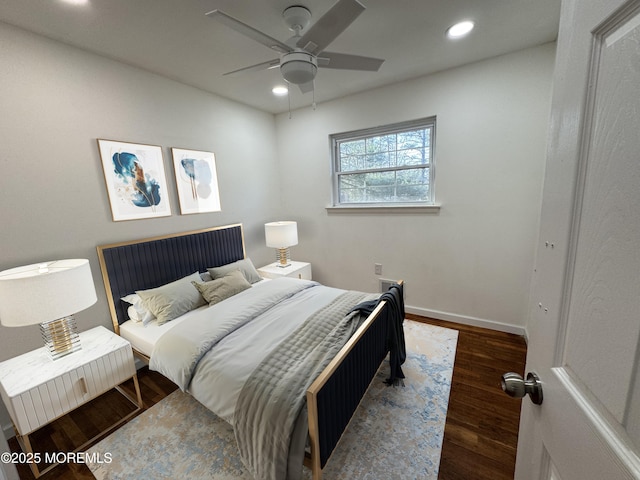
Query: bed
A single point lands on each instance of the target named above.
(249, 325)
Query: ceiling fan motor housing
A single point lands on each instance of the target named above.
(298, 67)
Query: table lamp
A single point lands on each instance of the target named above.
(48, 293)
(281, 235)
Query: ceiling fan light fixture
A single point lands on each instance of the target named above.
(298, 68)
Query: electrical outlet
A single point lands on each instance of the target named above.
(378, 268)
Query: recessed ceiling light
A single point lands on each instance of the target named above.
(460, 29)
(280, 90)
(76, 2)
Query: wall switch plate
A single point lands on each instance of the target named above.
(378, 268)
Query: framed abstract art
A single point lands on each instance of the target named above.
(196, 180)
(136, 180)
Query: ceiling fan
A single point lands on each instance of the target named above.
(303, 53)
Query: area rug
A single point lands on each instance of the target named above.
(396, 433)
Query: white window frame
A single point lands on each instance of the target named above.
(428, 205)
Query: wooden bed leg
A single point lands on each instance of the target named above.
(312, 414)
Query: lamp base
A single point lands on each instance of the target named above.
(283, 257)
(60, 337)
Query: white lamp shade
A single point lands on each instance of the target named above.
(281, 234)
(45, 291)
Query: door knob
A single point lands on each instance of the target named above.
(515, 386)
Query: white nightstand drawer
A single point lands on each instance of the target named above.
(40, 405)
(37, 390)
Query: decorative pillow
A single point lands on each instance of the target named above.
(137, 311)
(224, 287)
(245, 266)
(173, 299)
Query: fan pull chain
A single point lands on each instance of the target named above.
(313, 101)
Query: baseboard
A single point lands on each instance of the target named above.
(466, 320)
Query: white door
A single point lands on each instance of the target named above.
(584, 324)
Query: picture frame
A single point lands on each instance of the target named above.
(135, 178)
(196, 181)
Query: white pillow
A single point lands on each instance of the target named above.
(133, 314)
(137, 311)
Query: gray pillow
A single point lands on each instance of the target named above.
(245, 266)
(173, 299)
(224, 287)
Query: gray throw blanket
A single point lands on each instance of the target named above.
(274, 395)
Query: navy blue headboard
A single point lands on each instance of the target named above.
(151, 262)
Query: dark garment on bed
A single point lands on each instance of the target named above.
(394, 316)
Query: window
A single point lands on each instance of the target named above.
(385, 166)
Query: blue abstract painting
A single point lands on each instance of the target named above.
(146, 190)
(197, 181)
(135, 179)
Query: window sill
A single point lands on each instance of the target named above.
(424, 209)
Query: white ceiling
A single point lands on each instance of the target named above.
(175, 39)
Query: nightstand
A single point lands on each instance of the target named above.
(37, 390)
(294, 270)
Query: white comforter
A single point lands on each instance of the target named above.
(240, 333)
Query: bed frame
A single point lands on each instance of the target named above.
(334, 395)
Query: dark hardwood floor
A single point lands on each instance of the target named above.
(75, 428)
(480, 434)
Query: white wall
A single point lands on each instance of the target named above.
(471, 262)
(55, 101)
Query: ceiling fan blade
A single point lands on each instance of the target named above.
(249, 31)
(306, 87)
(349, 62)
(257, 67)
(330, 25)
